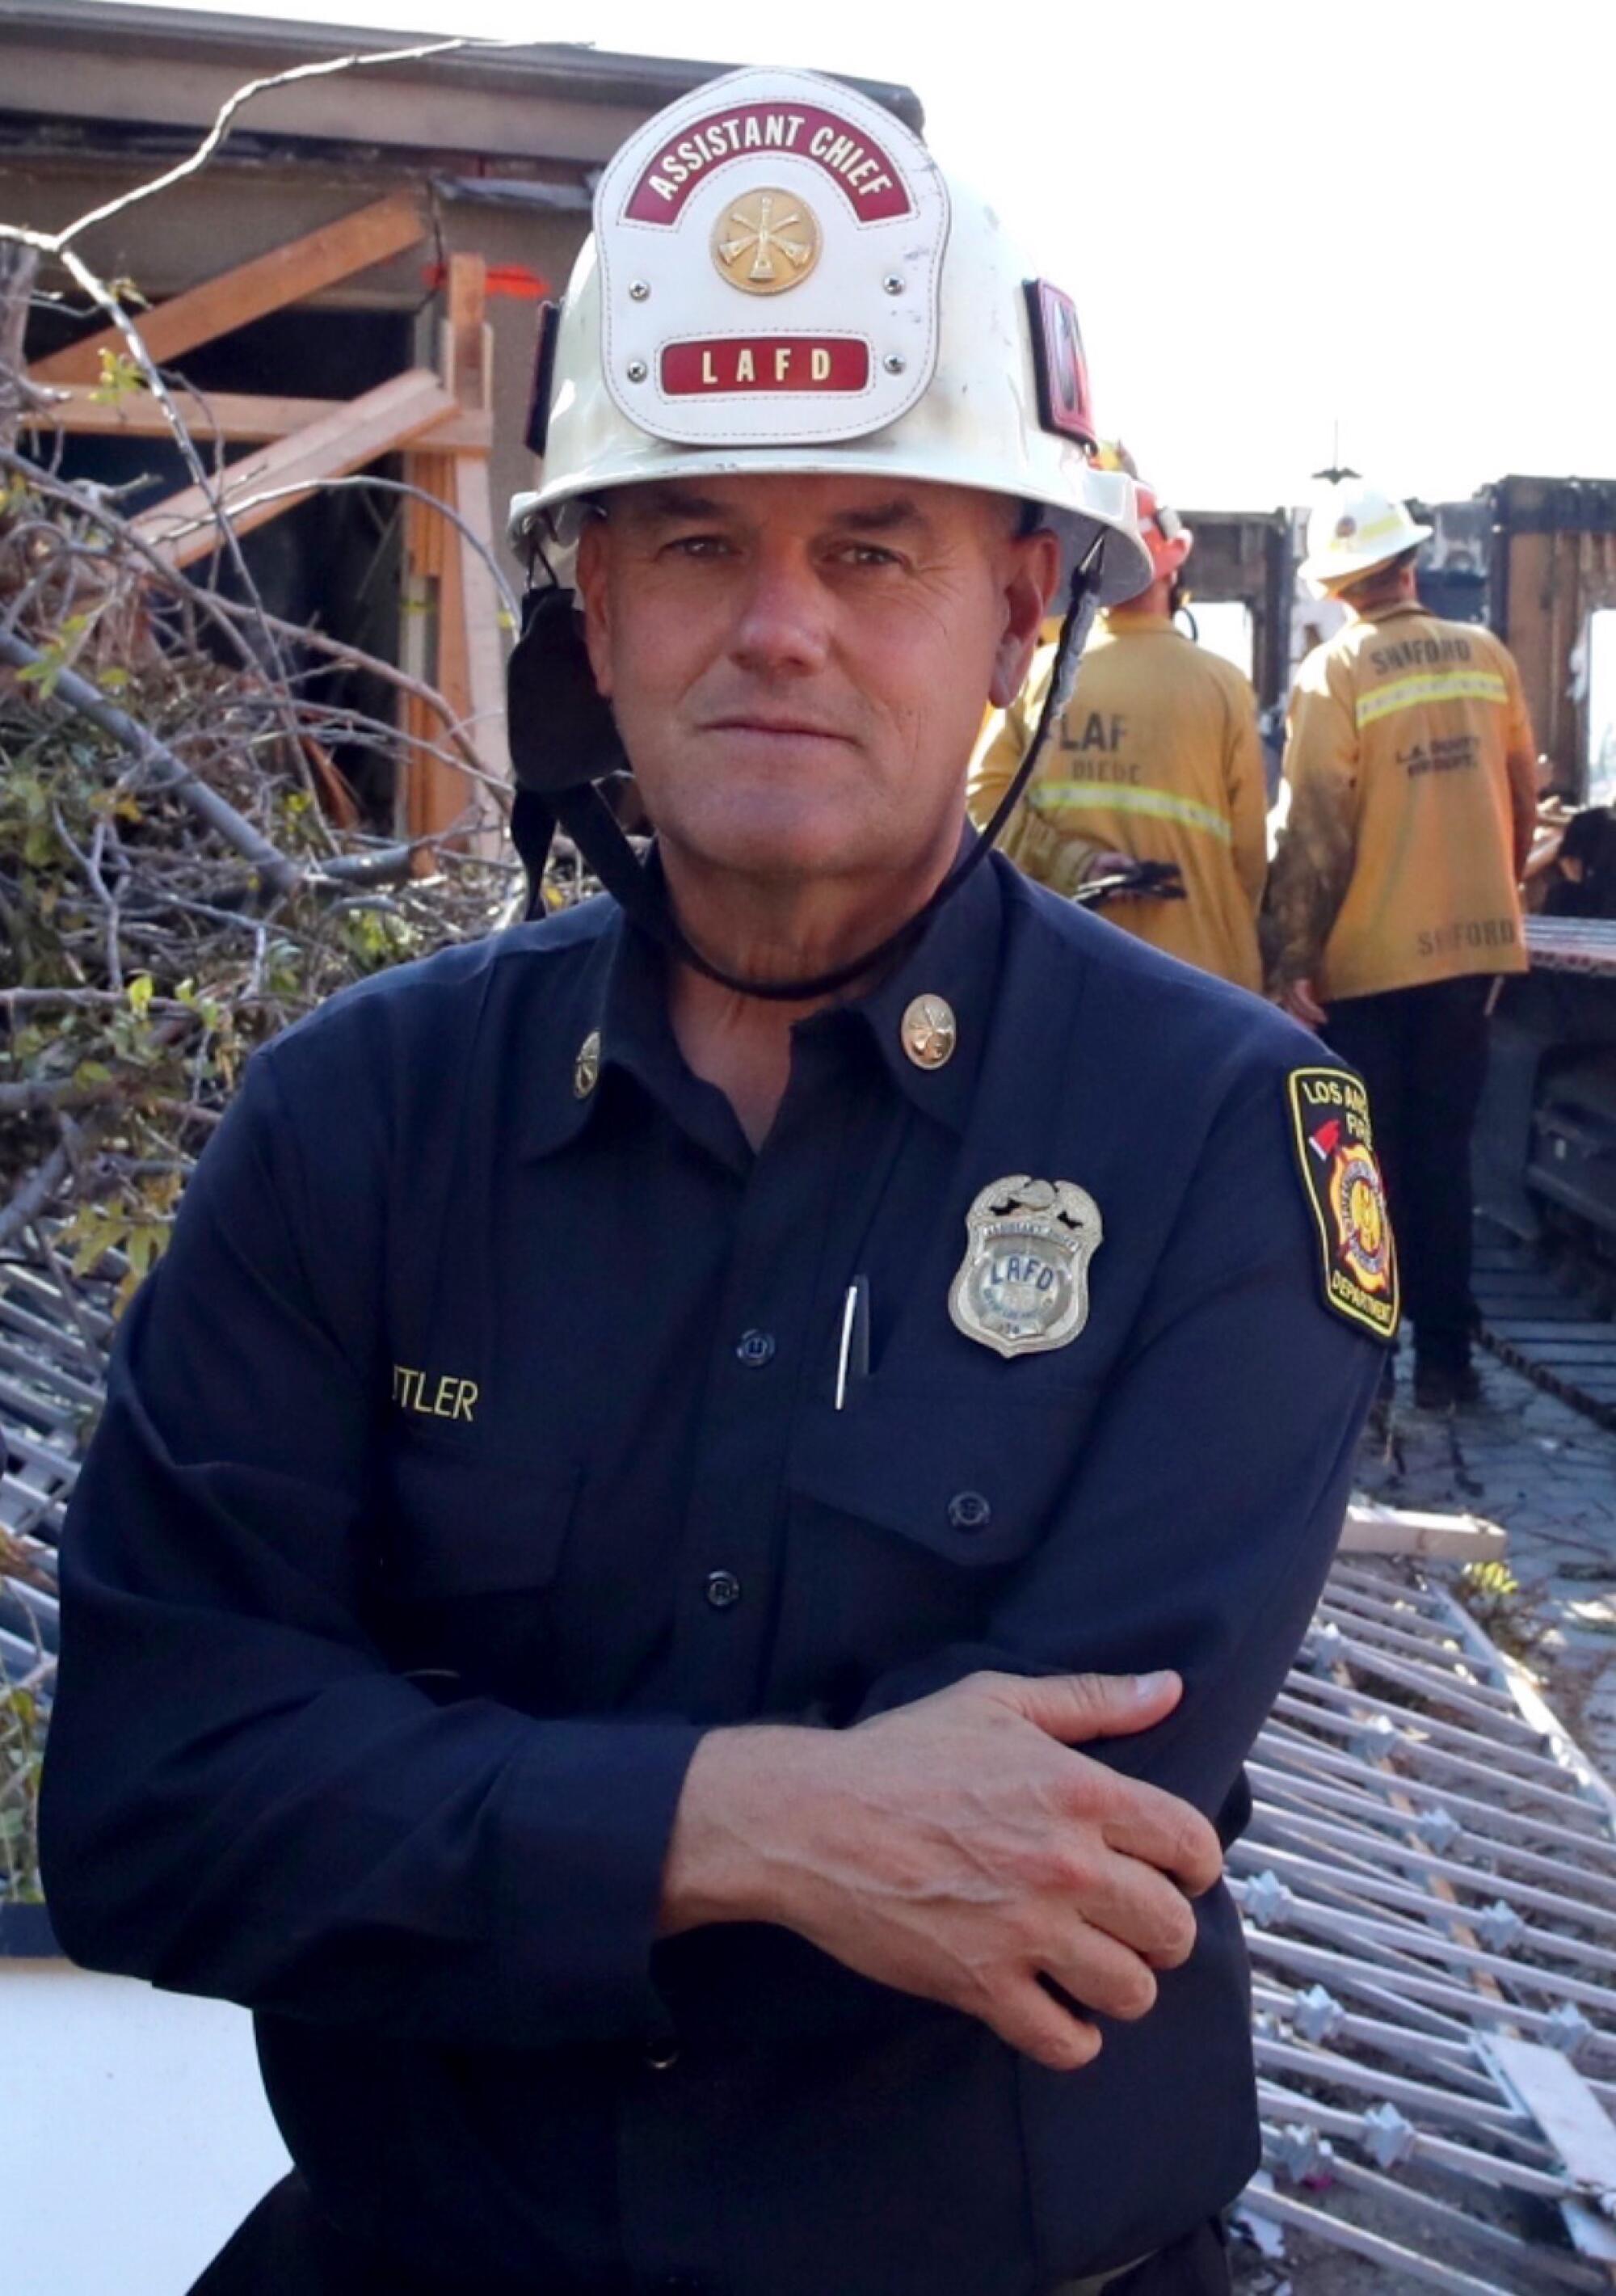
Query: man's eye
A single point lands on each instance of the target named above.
(699, 545)
(869, 554)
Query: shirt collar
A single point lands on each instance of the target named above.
(559, 1041)
(956, 961)
(1389, 613)
(1124, 624)
(614, 1018)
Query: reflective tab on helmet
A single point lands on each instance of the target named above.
(1062, 369)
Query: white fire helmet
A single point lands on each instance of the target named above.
(1355, 528)
(781, 279)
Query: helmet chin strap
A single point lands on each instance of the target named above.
(564, 743)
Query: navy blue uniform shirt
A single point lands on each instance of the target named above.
(474, 1448)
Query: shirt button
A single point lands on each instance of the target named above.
(723, 1589)
(662, 2056)
(755, 1348)
(969, 1511)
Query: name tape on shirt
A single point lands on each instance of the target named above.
(1334, 1138)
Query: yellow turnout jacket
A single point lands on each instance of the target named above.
(1157, 756)
(1413, 778)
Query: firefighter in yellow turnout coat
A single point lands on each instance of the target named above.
(1157, 759)
(1393, 897)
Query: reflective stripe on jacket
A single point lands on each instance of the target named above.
(1413, 783)
(1158, 757)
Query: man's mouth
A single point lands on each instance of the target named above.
(776, 728)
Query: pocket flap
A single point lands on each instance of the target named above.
(976, 1483)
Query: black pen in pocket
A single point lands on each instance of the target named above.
(853, 1357)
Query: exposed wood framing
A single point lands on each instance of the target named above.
(184, 526)
(435, 796)
(286, 274)
(468, 372)
(237, 418)
(452, 613)
(452, 606)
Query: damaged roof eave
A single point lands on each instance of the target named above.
(174, 68)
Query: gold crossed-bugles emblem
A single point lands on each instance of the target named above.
(765, 242)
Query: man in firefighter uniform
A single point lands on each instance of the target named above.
(687, 1543)
(1393, 901)
(1156, 760)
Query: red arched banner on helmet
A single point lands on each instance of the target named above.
(870, 182)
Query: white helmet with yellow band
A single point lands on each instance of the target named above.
(1354, 527)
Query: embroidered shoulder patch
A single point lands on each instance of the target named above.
(1330, 1123)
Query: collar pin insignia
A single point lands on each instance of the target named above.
(929, 1032)
(587, 1067)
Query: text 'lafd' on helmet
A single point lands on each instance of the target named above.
(1355, 528)
(781, 279)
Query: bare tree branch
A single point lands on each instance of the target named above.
(186, 867)
(366, 478)
(225, 612)
(56, 243)
(18, 265)
(285, 876)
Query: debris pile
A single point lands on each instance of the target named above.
(1429, 1889)
(183, 872)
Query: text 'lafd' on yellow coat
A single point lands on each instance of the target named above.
(1413, 778)
(1157, 756)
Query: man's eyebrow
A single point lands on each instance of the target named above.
(884, 518)
(665, 502)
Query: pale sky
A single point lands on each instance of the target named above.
(1274, 218)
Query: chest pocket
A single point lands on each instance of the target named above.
(907, 1514)
(468, 1550)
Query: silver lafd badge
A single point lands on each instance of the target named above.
(1023, 1285)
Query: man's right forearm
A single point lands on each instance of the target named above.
(753, 1800)
(959, 1848)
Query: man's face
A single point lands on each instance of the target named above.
(799, 665)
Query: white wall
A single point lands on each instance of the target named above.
(134, 2134)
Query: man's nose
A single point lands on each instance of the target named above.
(783, 619)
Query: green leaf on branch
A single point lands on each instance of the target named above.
(120, 377)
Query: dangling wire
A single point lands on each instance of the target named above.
(1081, 601)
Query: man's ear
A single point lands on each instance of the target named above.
(1031, 580)
(594, 595)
